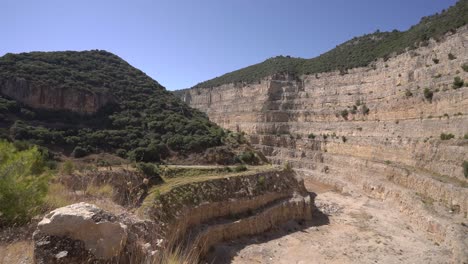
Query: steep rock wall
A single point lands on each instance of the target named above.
(387, 142)
(54, 98)
(402, 125)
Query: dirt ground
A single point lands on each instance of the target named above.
(345, 229)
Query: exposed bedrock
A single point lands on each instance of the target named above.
(373, 127)
(196, 216)
(75, 100)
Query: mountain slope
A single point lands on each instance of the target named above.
(358, 52)
(92, 101)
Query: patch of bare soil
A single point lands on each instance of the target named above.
(345, 229)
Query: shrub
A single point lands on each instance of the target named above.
(436, 61)
(465, 168)
(408, 93)
(428, 94)
(240, 168)
(457, 82)
(79, 152)
(344, 114)
(344, 139)
(365, 110)
(248, 157)
(261, 180)
(465, 136)
(23, 183)
(67, 167)
(465, 67)
(451, 56)
(121, 153)
(448, 136)
(151, 171)
(311, 136)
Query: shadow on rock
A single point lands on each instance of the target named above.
(224, 253)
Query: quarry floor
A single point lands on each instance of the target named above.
(345, 229)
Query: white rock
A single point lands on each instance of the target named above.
(103, 238)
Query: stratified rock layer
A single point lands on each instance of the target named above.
(191, 217)
(375, 127)
(75, 100)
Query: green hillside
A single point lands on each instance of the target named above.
(146, 122)
(357, 52)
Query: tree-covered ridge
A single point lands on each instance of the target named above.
(357, 52)
(146, 122)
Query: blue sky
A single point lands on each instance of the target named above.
(182, 42)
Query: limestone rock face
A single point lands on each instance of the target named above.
(79, 232)
(372, 127)
(54, 98)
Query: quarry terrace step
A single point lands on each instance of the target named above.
(195, 215)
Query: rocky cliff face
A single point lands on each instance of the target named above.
(54, 98)
(377, 127)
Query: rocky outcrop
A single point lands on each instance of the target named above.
(194, 216)
(202, 214)
(80, 101)
(79, 233)
(378, 127)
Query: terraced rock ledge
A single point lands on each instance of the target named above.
(187, 215)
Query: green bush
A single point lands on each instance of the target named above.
(365, 110)
(248, 157)
(457, 82)
(79, 152)
(151, 171)
(67, 167)
(465, 67)
(428, 94)
(447, 136)
(344, 114)
(23, 183)
(121, 153)
(240, 168)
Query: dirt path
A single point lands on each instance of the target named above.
(349, 230)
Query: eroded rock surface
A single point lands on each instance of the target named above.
(80, 101)
(195, 216)
(374, 128)
(79, 232)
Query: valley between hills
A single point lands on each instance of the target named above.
(359, 155)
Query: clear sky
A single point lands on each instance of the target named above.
(182, 42)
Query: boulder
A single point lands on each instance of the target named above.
(79, 233)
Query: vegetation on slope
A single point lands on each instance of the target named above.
(23, 183)
(145, 123)
(357, 52)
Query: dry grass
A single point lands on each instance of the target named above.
(105, 190)
(186, 178)
(58, 196)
